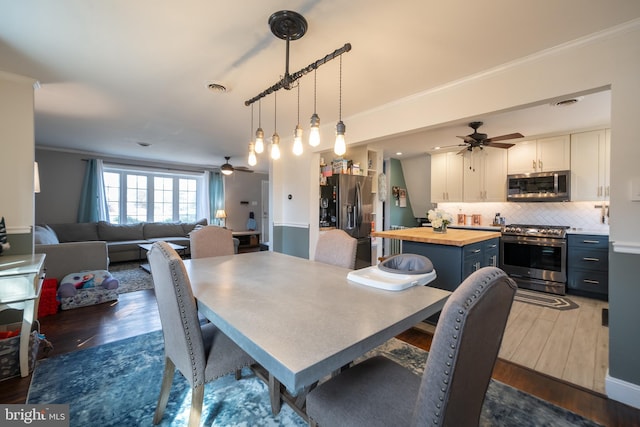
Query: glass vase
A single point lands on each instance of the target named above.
(441, 229)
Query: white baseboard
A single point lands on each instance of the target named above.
(622, 391)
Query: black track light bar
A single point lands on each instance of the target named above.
(288, 79)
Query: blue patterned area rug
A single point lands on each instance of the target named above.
(117, 384)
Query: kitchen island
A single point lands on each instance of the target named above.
(454, 254)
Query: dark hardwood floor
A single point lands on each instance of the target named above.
(136, 313)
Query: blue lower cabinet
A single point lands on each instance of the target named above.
(454, 263)
(588, 265)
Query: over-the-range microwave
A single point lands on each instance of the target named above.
(539, 187)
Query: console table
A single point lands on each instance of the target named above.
(21, 279)
(249, 239)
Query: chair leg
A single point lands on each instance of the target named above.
(167, 380)
(197, 398)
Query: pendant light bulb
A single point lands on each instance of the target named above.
(340, 146)
(259, 148)
(252, 160)
(297, 141)
(259, 141)
(275, 146)
(314, 131)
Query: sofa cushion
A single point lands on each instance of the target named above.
(76, 232)
(44, 235)
(125, 245)
(117, 232)
(189, 226)
(154, 230)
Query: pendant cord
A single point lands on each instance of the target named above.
(298, 102)
(275, 112)
(340, 93)
(260, 113)
(315, 78)
(251, 131)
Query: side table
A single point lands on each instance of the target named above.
(21, 278)
(147, 247)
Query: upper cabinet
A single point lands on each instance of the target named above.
(446, 177)
(542, 155)
(590, 162)
(485, 173)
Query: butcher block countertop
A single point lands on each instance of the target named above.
(453, 237)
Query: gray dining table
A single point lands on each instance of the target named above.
(302, 320)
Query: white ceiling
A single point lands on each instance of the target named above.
(119, 72)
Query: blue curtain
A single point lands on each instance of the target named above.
(93, 199)
(216, 194)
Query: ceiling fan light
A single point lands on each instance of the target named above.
(226, 169)
(314, 131)
(340, 147)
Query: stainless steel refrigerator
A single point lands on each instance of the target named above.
(353, 211)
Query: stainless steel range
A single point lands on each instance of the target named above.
(535, 256)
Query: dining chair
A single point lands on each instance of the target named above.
(451, 391)
(201, 353)
(336, 247)
(210, 241)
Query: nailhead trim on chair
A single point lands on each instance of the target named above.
(454, 336)
(196, 379)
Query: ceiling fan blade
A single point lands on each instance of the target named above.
(468, 139)
(499, 145)
(504, 137)
(242, 169)
(463, 151)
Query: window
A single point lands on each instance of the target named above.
(138, 195)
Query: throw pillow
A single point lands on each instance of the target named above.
(44, 235)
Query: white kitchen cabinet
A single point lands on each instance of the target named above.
(485, 173)
(446, 177)
(590, 165)
(541, 155)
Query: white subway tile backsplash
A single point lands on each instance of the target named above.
(582, 215)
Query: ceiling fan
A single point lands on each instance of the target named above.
(477, 139)
(227, 169)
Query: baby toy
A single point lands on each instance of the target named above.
(85, 280)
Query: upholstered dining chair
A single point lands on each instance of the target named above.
(210, 241)
(380, 392)
(336, 247)
(201, 353)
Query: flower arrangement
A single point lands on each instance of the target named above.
(439, 219)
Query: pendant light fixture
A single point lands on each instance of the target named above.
(252, 147)
(340, 147)
(289, 26)
(297, 132)
(314, 130)
(259, 133)
(275, 139)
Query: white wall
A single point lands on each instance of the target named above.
(16, 144)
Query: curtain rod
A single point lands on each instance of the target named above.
(121, 163)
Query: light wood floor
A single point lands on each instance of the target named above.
(571, 345)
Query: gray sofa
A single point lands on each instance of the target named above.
(75, 247)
